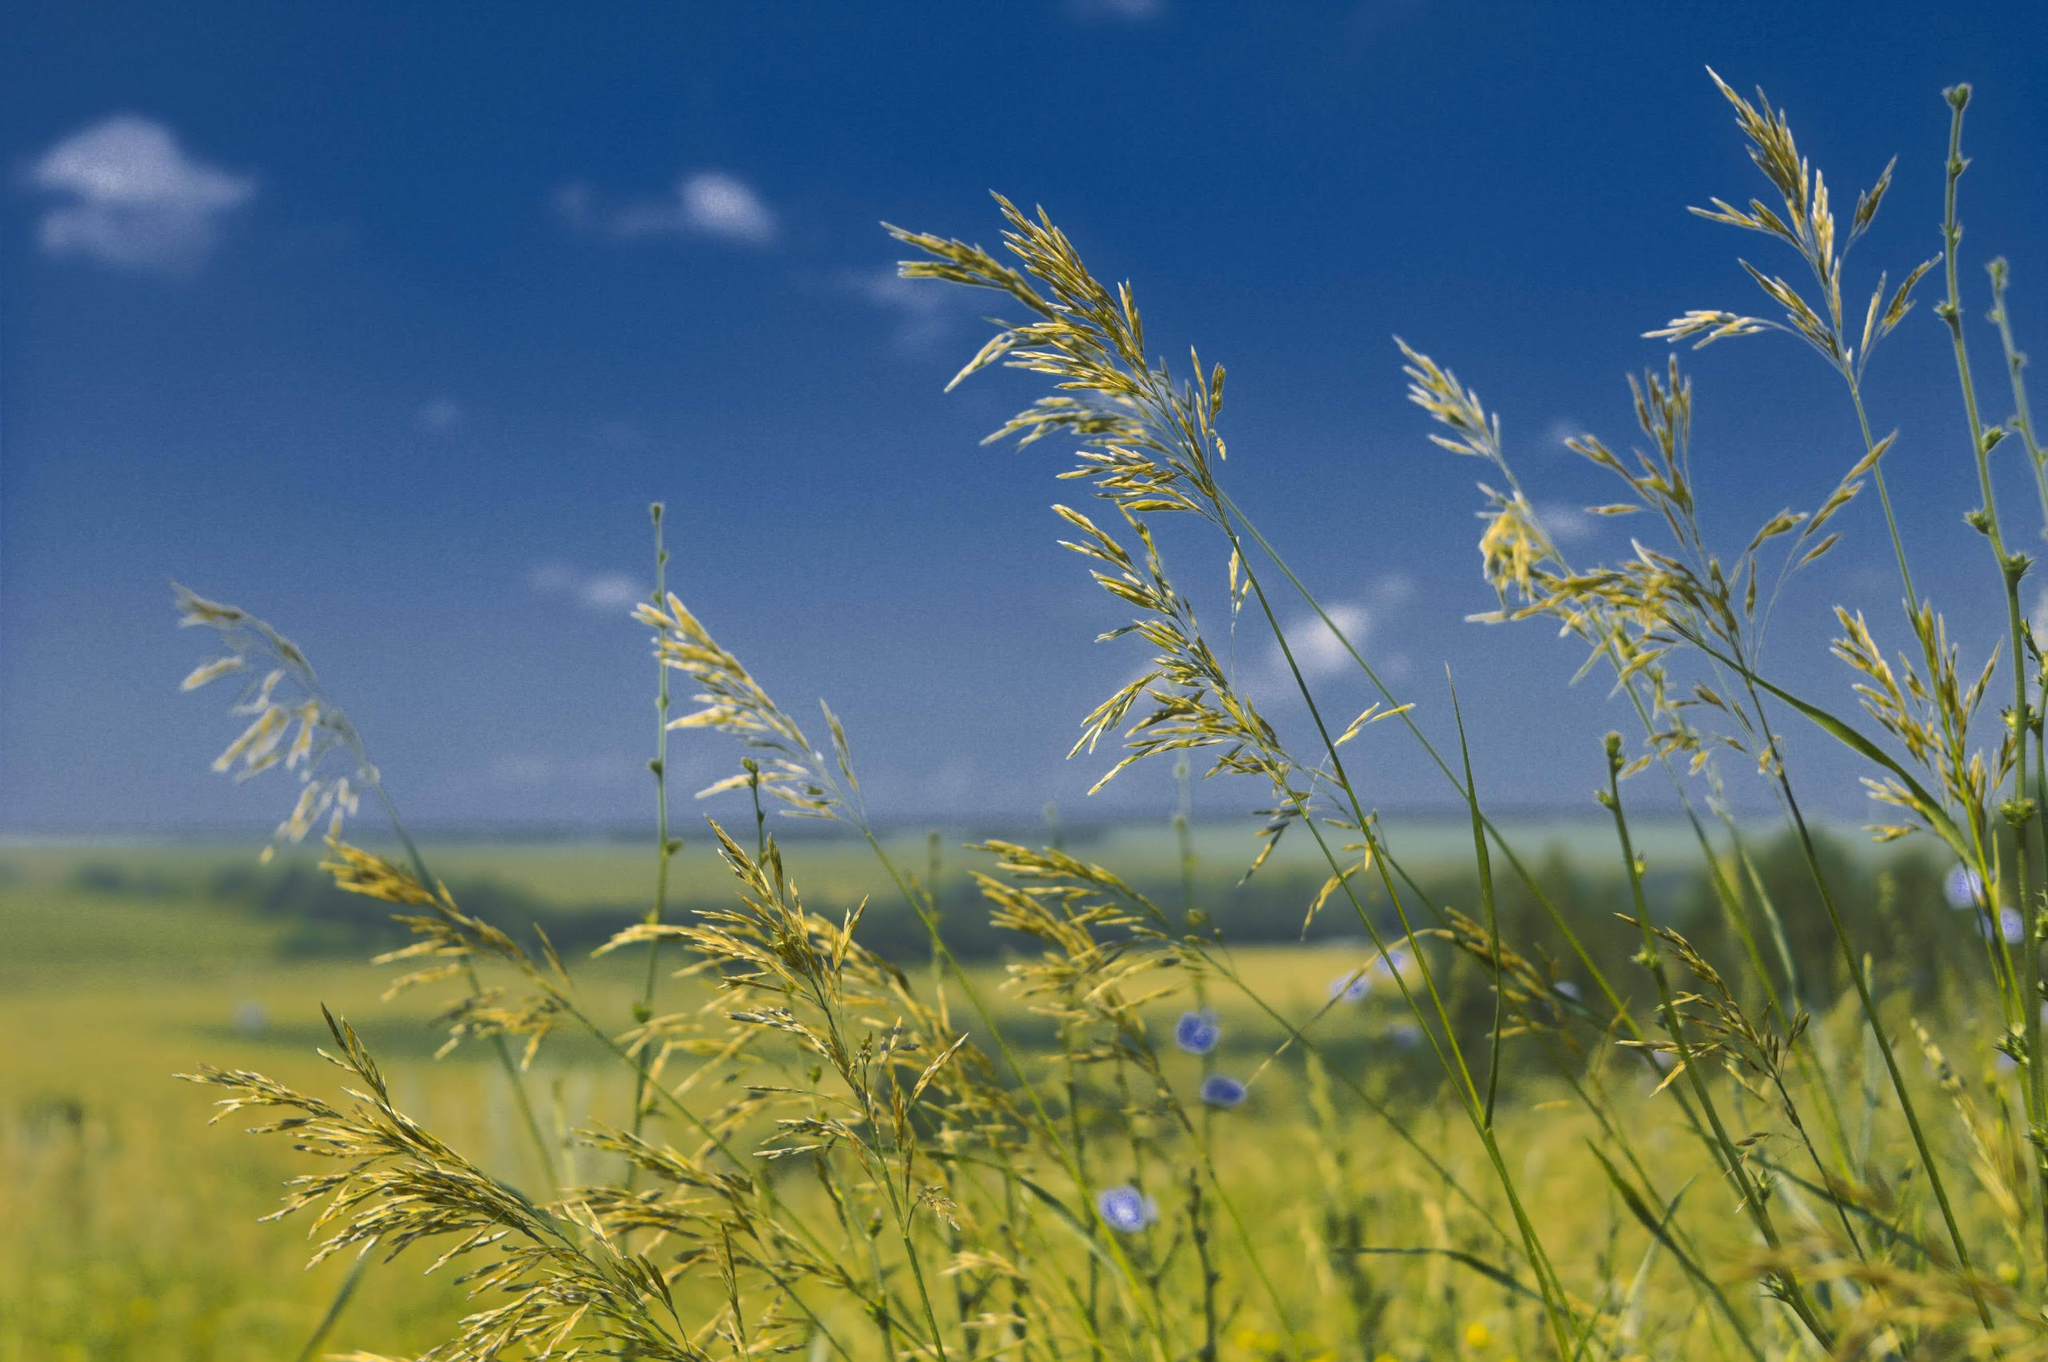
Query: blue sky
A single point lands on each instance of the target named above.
(387, 322)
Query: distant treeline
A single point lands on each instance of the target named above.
(1893, 899)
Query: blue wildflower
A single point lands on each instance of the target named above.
(1197, 1032)
(1964, 888)
(1568, 989)
(1219, 1091)
(1353, 985)
(2011, 926)
(1126, 1210)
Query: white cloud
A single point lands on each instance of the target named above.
(609, 591)
(605, 592)
(924, 309)
(443, 413)
(1567, 524)
(720, 205)
(707, 203)
(1116, 11)
(1392, 591)
(129, 197)
(1561, 429)
(1319, 652)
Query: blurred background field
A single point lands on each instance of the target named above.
(132, 1227)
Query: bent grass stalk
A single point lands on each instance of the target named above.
(799, 776)
(1084, 339)
(1732, 1165)
(1439, 394)
(322, 725)
(2020, 811)
(664, 847)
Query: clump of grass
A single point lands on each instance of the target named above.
(1692, 1154)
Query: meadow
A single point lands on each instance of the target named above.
(134, 1226)
(1326, 1086)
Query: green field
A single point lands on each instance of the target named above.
(132, 1226)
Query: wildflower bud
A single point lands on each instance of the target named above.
(1126, 1210)
(2017, 811)
(2010, 927)
(1964, 888)
(1978, 520)
(1958, 96)
(1197, 1032)
(1219, 1090)
(655, 765)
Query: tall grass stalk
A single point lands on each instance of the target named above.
(665, 847)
